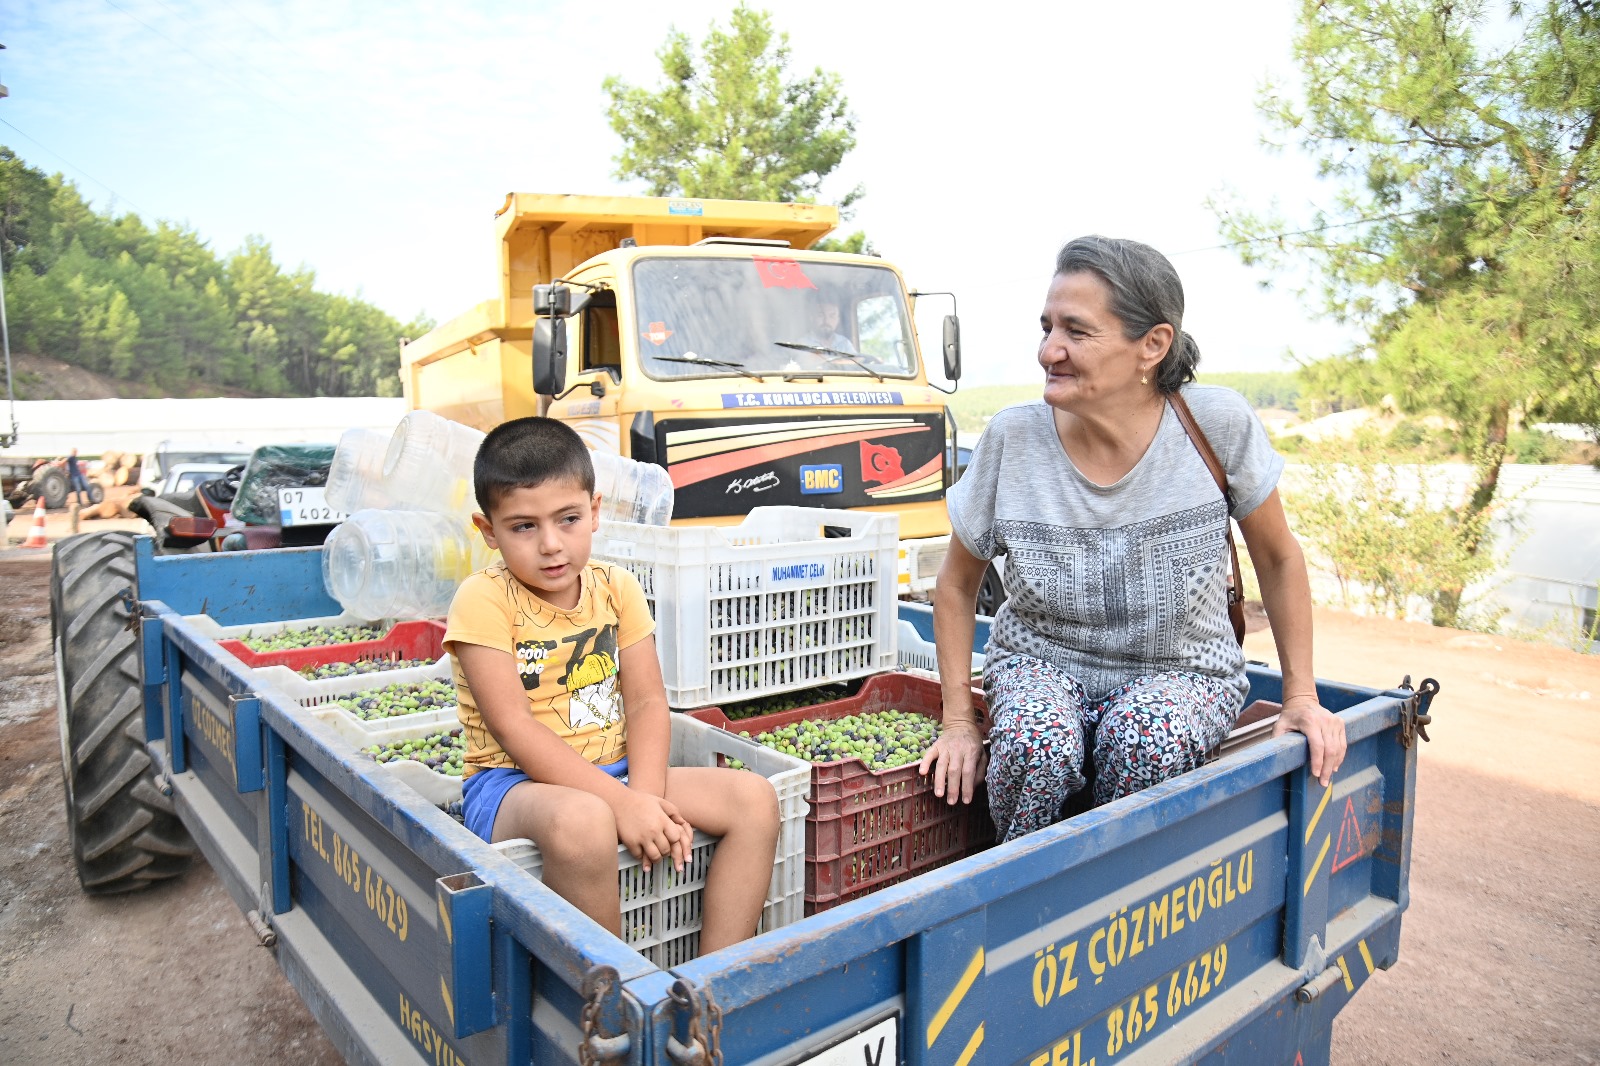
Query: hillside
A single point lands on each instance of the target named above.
(35, 377)
(152, 305)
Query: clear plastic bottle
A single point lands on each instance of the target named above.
(631, 491)
(400, 564)
(429, 464)
(355, 477)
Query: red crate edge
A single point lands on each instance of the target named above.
(422, 639)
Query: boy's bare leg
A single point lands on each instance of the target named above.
(742, 809)
(577, 837)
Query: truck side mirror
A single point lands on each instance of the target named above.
(552, 301)
(952, 348)
(549, 355)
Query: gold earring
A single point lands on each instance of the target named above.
(1143, 380)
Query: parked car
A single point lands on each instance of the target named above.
(184, 476)
(155, 465)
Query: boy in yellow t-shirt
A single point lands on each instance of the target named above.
(561, 696)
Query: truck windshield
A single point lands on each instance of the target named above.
(770, 315)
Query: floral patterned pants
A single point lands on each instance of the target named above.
(1144, 731)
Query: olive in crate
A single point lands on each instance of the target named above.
(442, 752)
(881, 739)
(311, 637)
(394, 701)
(360, 666)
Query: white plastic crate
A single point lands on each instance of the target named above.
(209, 626)
(916, 653)
(662, 910)
(364, 732)
(309, 693)
(768, 606)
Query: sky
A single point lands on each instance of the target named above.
(373, 142)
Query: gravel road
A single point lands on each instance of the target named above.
(1498, 958)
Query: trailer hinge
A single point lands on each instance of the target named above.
(1414, 716)
(598, 1048)
(704, 1046)
(264, 932)
(131, 604)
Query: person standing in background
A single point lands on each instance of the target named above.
(76, 482)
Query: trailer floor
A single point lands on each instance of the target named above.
(1497, 956)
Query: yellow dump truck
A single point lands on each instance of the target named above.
(703, 336)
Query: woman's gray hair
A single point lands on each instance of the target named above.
(1145, 292)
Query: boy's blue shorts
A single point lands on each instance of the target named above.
(484, 791)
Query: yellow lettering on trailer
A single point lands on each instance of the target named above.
(369, 886)
(1129, 931)
(1068, 1051)
(427, 1036)
(217, 731)
(1142, 1014)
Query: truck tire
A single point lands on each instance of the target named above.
(991, 592)
(52, 485)
(125, 833)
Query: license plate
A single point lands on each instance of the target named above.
(307, 507)
(878, 1045)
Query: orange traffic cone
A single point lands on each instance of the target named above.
(36, 535)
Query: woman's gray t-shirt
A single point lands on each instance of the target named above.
(1113, 582)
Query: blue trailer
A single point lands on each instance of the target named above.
(1222, 917)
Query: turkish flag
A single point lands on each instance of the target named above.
(781, 274)
(880, 463)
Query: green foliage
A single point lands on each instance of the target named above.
(1462, 139)
(730, 122)
(1278, 388)
(974, 406)
(157, 307)
(856, 244)
(1391, 535)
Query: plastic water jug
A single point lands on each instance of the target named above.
(400, 564)
(355, 477)
(631, 491)
(429, 464)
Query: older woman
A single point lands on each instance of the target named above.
(1115, 639)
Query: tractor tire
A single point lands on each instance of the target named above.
(991, 592)
(97, 493)
(125, 833)
(52, 485)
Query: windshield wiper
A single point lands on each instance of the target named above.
(829, 351)
(711, 362)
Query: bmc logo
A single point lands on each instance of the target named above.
(815, 479)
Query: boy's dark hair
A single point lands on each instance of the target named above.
(526, 452)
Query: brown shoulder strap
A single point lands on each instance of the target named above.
(1180, 407)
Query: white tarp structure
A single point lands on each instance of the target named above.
(54, 427)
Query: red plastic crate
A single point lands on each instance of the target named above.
(407, 640)
(868, 829)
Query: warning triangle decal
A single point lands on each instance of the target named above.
(1350, 846)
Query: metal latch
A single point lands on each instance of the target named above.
(131, 605)
(1319, 984)
(597, 1047)
(704, 1046)
(1414, 716)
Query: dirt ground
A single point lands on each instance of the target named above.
(1498, 957)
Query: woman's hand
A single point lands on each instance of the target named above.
(957, 759)
(1324, 732)
(651, 827)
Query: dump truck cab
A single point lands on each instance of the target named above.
(705, 336)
